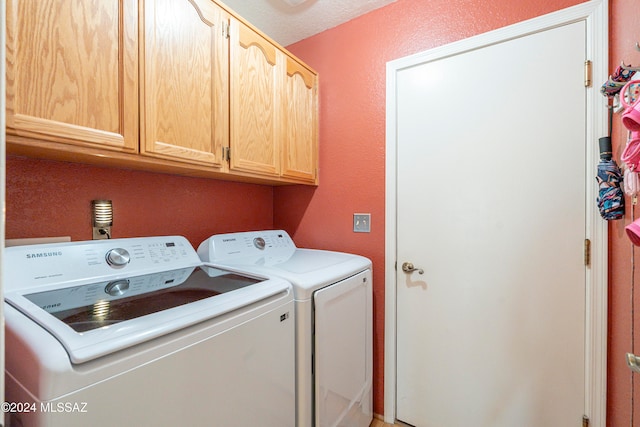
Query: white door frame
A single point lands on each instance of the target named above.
(3, 168)
(595, 15)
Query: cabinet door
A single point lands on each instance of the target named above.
(300, 146)
(257, 72)
(72, 73)
(184, 107)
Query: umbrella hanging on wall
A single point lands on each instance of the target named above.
(610, 196)
(616, 81)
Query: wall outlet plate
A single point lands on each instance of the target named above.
(361, 223)
(100, 233)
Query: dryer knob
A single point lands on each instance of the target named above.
(118, 257)
(259, 243)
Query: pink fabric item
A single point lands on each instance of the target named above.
(631, 183)
(630, 100)
(631, 153)
(633, 232)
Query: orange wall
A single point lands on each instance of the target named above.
(351, 61)
(46, 198)
(624, 33)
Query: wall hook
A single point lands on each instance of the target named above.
(629, 67)
(638, 46)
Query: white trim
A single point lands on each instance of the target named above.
(3, 173)
(595, 14)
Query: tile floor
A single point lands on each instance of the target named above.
(379, 423)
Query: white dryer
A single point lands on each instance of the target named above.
(140, 332)
(333, 306)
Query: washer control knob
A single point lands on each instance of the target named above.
(118, 257)
(259, 243)
(117, 287)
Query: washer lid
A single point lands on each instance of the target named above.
(158, 286)
(96, 305)
(96, 319)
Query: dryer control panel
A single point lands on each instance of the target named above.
(269, 243)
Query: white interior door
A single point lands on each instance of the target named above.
(491, 185)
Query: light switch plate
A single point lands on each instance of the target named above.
(361, 223)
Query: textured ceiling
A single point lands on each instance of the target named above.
(288, 24)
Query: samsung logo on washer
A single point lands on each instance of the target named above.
(44, 254)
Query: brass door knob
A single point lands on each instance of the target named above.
(408, 267)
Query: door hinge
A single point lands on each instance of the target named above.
(226, 153)
(225, 30)
(587, 73)
(585, 421)
(587, 252)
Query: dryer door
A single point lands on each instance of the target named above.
(343, 352)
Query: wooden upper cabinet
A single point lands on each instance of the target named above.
(72, 72)
(184, 85)
(300, 121)
(256, 79)
(177, 86)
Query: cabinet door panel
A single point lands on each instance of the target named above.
(256, 79)
(72, 72)
(185, 95)
(300, 150)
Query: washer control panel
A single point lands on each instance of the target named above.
(65, 262)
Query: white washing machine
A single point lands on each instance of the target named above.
(333, 305)
(140, 332)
